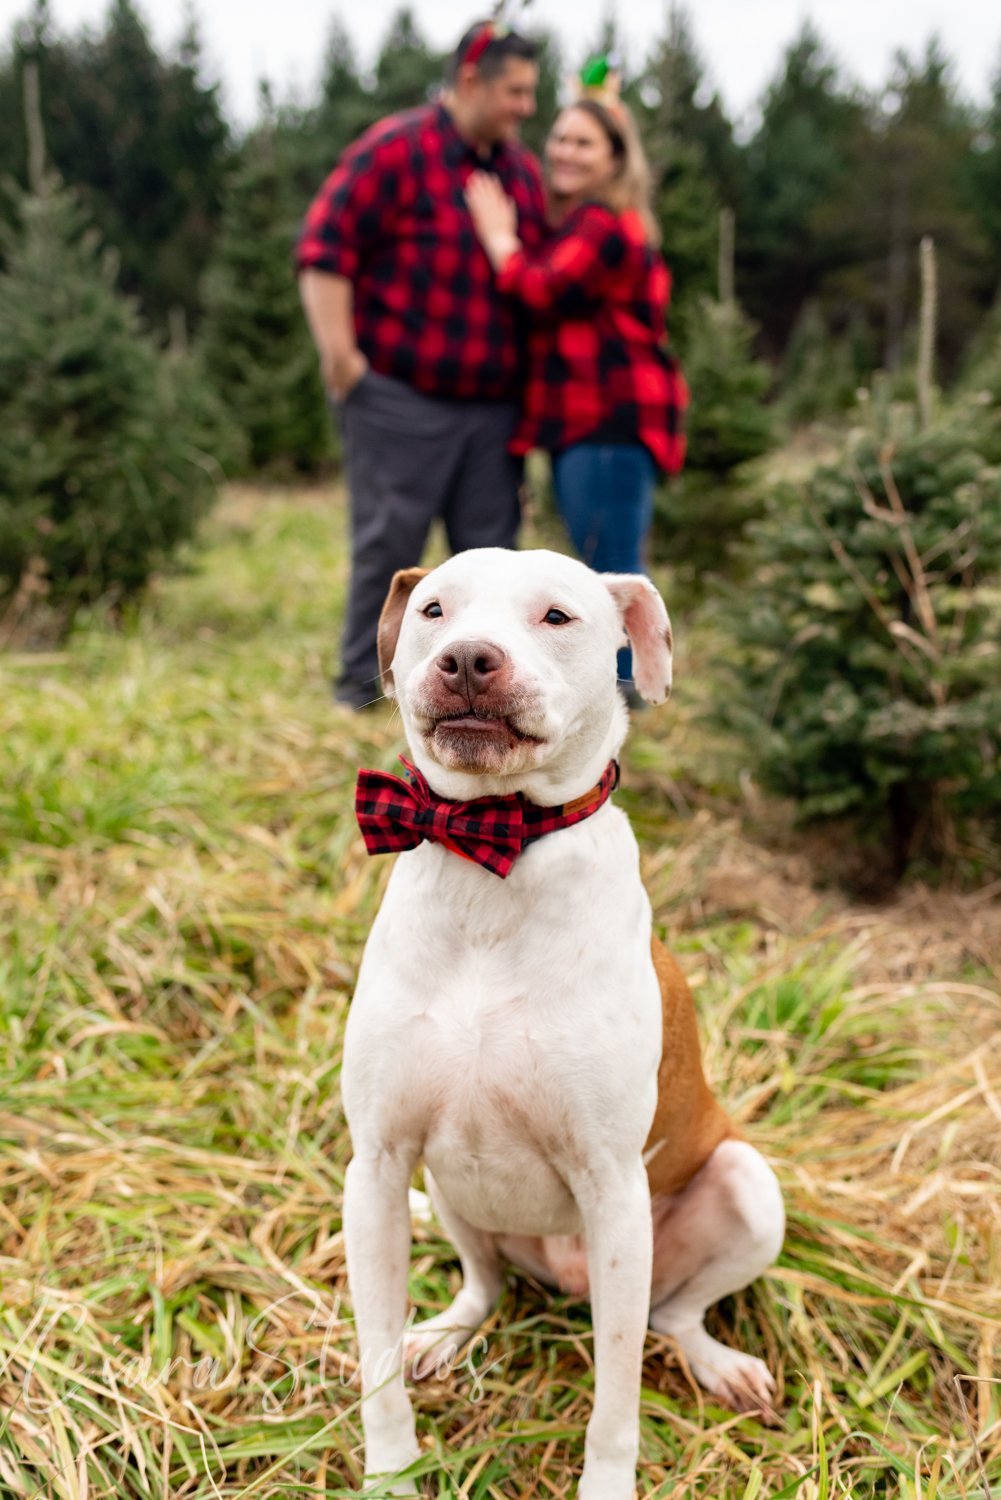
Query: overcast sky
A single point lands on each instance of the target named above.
(741, 41)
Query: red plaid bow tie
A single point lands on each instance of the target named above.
(395, 814)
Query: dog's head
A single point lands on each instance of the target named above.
(504, 667)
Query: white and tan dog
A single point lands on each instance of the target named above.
(526, 1038)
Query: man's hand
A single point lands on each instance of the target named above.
(342, 371)
(328, 302)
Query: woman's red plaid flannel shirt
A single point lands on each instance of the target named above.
(393, 220)
(598, 362)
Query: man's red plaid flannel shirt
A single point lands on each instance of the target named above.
(392, 219)
(598, 294)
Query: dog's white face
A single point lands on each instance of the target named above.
(504, 665)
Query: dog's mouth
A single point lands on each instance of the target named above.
(480, 722)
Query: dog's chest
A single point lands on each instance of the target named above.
(513, 1033)
(503, 1129)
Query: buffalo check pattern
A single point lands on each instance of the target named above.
(392, 219)
(394, 814)
(597, 294)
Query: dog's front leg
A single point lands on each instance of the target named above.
(616, 1211)
(377, 1239)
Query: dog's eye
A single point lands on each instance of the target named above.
(556, 617)
(432, 611)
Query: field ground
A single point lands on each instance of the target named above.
(184, 900)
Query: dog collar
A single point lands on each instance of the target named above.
(396, 814)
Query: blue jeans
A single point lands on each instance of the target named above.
(604, 493)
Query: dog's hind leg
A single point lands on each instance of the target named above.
(711, 1239)
(434, 1344)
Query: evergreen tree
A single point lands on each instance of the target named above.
(910, 176)
(140, 137)
(821, 372)
(865, 670)
(800, 156)
(686, 147)
(980, 384)
(347, 107)
(985, 180)
(194, 152)
(256, 346)
(728, 423)
(701, 514)
(101, 475)
(33, 40)
(677, 95)
(407, 72)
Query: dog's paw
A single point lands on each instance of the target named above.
(607, 1481)
(737, 1380)
(380, 1470)
(382, 1486)
(740, 1381)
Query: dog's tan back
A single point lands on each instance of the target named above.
(689, 1123)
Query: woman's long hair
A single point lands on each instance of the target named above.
(630, 187)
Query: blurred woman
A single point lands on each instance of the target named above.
(603, 396)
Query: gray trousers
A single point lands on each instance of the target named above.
(411, 458)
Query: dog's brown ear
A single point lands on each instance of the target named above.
(403, 584)
(649, 630)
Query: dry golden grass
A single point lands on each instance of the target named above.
(183, 900)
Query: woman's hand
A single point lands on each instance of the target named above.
(494, 216)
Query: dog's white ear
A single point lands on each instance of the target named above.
(649, 630)
(403, 584)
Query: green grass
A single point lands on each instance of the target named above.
(183, 901)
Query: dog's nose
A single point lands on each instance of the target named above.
(468, 666)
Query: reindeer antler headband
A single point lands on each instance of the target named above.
(492, 30)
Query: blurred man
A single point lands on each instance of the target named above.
(418, 350)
